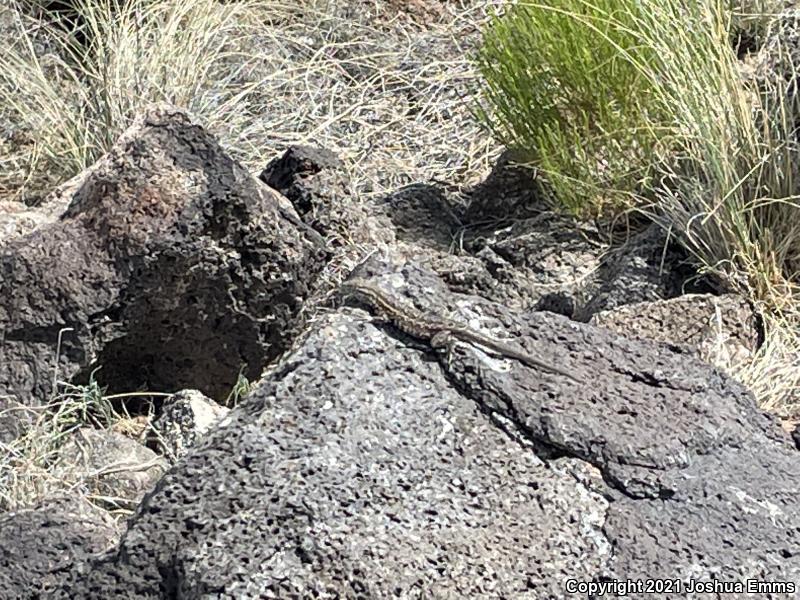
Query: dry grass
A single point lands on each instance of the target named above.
(72, 102)
(27, 464)
(390, 98)
(774, 373)
(751, 18)
(386, 95)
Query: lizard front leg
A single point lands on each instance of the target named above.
(443, 341)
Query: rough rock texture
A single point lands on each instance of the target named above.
(38, 545)
(421, 216)
(313, 180)
(721, 330)
(110, 466)
(184, 418)
(499, 240)
(647, 267)
(293, 173)
(15, 418)
(366, 466)
(541, 258)
(172, 267)
(510, 190)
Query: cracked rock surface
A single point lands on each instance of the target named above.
(367, 466)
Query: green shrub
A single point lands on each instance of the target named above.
(641, 104)
(656, 90)
(564, 87)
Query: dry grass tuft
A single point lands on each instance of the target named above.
(384, 93)
(774, 373)
(27, 463)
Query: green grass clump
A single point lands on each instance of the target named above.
(641, 104)
(565, 86)
(597, 94)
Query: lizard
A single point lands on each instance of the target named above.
(436, 330)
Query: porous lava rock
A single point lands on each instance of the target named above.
(39, 544)
(171, 267)
(367, 466)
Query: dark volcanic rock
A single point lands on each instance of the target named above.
(510, 190)
(648, 267)
(38, 545)
(313, 180)
(543, 261)
(290, 174)
(171, 268)
(504, 241)
(420, 215)
(366, 466)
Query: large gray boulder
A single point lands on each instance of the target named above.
(171, 267)
(367, 466)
